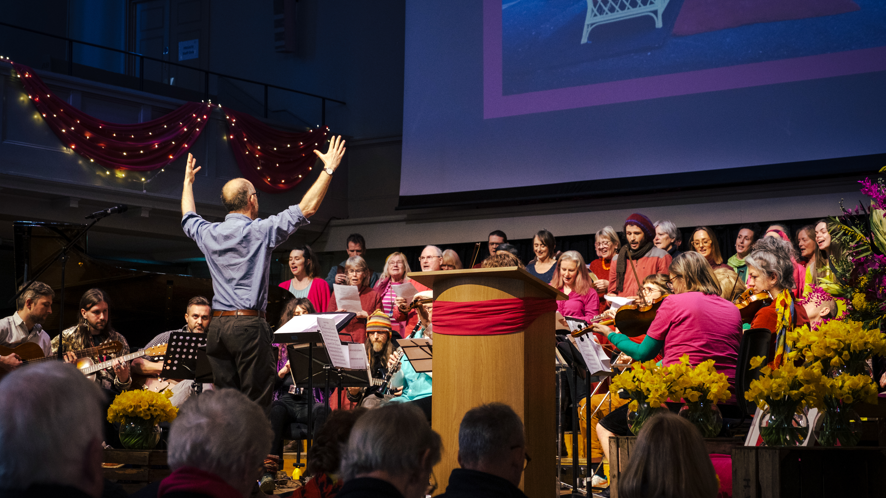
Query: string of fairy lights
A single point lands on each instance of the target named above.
(273, 159)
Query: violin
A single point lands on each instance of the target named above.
(750, 302)
(632, 320)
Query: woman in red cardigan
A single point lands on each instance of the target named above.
(606, 244)
(358, 275)
(304, 282)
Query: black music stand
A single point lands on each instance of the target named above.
(306, 351)
(186, 359)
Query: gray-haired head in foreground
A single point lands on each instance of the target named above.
(222, 432)
(772, 256)
(50, 415)
(394, 439)
(488, 433)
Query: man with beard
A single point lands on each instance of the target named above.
(94, 329)
(379, 348)
(646, 258)
(197, 317)
(25, 325)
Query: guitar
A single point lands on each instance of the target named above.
(86, 365)
(30, 352)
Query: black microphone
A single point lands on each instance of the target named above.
(119, 208)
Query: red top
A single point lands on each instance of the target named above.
(600, 272)
(767, 318)
(318, 294)
(356, 330)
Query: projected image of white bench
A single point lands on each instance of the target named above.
(605, 11)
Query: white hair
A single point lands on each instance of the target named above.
(437, 250)
(668, 227)
(50, 414)
(222, 432)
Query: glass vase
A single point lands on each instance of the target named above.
(644, 411)
(839, 425)
(137, 433)
(705, 415)
(783, 425)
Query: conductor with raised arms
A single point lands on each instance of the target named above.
(238, 253)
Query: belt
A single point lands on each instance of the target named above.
(239, 313)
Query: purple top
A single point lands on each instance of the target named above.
(584, 307)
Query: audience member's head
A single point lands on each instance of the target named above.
(491, 440)
(50, 429)
(235, 458)
(324, 457)
(431, 258)
(665, 234)
(496, 238)
(393, 443)
(669, 460)
(451, 261)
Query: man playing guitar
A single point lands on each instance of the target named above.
(22, 331)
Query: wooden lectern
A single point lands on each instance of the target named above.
(516, 369)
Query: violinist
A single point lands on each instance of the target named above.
(695, 321)
(771, 270)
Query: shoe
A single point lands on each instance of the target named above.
(602, 494)
(266, 484)
(599, 482)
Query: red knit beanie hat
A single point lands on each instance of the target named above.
(644, 223)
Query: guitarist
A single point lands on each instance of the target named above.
(93, 329)
(26, 324)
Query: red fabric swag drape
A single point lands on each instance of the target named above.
(139, 147)
(493, 317)
(273, 160)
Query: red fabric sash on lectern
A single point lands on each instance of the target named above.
(492, 317)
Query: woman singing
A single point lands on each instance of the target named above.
(358, 275)
(393, 275)
(704, 242)
(543, 245)
(606, 244)
(304, 283)
(573, 279)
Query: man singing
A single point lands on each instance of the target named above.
(238, 253)
(25, 325)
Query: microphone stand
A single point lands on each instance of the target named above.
(63, 257)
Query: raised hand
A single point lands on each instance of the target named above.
(332, 157)
(190, 170)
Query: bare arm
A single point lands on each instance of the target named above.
(314, 196)
(188, 190)
(141, 366)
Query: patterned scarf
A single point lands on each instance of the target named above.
(787, 319)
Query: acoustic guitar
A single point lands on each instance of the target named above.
(30, 352)
(89, 368)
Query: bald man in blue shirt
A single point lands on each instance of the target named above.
(238, 252)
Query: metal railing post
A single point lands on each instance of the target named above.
(70, 57)
(141, 73)
(266, 101)
(206, 85)
(323, 113)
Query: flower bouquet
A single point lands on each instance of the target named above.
(840, 424)
(701, 387)
(138, 413)
(784, 395)
(841, 346)
(647, 385)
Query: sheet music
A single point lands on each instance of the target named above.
(407, 291)
(357, 357)
(595, 358)
(347, 297)
(617, 302)
(338, 353)
(308, 323)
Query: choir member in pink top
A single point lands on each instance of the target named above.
(573, 279)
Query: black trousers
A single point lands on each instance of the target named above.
(239, 351)
(425, 404)
(289, 409)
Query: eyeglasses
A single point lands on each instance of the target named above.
(432, 484)
(255, 194)
(702, 243)
(603, 244)
(447, 267)
(526, 458)
(428, 258)
(355, 272)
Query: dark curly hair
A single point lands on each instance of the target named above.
(324, 457)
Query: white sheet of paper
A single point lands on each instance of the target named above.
(347, 298)
(338, 353)
(308, 323)
(357, 357)
(407, 291)
(617, 302)
(595, 358)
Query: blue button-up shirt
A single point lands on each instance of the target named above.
(238, 252)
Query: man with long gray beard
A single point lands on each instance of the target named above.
(379, 348)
